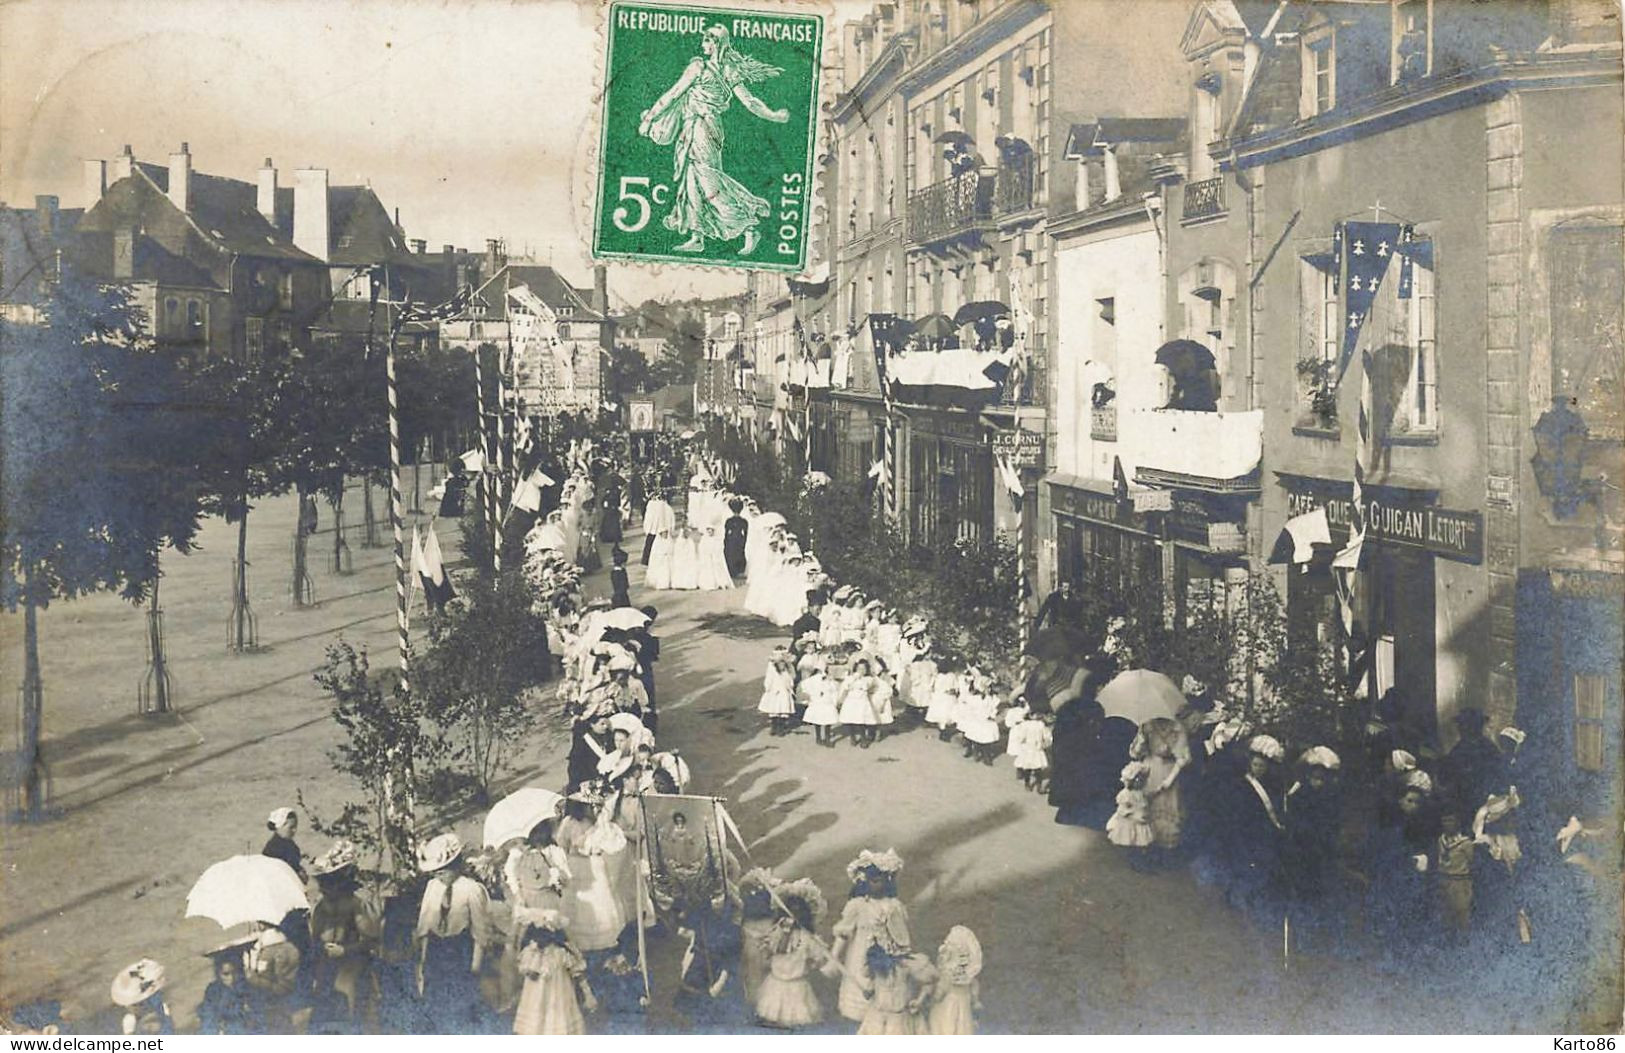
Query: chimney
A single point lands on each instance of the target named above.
(600, 289)
(310, 230)
(493, 256)
(447, 250)
(45, 213)
(419, 246)
(95, 182)
(123, 165)
(266, 198)
(124, 252)
(180, 178)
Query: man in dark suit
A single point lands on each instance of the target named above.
(811, 620)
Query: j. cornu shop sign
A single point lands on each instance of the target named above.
(1446, 532)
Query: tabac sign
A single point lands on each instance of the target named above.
(1445, 532)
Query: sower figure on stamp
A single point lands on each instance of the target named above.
(706, 201)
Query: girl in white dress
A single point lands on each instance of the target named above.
(977, 719)
(685, 560)
(823, 711)
(922, 676)
(858, 714)
(790, 599)
(778, 702)
(1030, 739)
(944, 704)
(713, 561)
(830, 622)
(593, 908)
(884, 695)
(763, 569)
(660, 560)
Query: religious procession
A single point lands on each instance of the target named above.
(933, 517)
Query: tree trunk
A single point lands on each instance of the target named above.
(341, 548)
(302, 585)
(369, 514)
(30, 761)
(241, 632)
(155, 686)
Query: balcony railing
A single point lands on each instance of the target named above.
(1103, 423)
(1204, 199)
(1025, 387)
(1013, 185)
(950, 207)
(1217, 451)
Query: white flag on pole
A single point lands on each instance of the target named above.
(534, 327)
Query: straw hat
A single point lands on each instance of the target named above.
(342, 854)
(1320, 757)
(1268, 747)
(439, 853)
(138, 983)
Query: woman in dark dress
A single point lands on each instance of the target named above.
(734, 533)
(610, 529)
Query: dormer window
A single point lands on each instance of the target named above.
(1319, 93)
(1412, 38)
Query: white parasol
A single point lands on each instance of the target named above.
(627, 618)
(1140, 695)
(768, 520)
(244, 889)
(517, 814)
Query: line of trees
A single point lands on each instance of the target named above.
(113, 449)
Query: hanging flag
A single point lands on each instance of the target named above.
(527, 496)
(534, 329)
(417, 561)
(473, 462)
(412, 312)
(431, 570)
(1298, 538)
(1368, 247)
(1119, 480)
(1012, 481)
(1406, 277)
(1336, 259)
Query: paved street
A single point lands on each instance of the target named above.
(1075, 939)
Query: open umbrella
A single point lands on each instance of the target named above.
(627, 618)
(244, 889)
(1140, 695)
(1184, 357)
(1059, 642)
(767, 521)
(978, 311)
(935, 327)
(956, 137)
(517, 814)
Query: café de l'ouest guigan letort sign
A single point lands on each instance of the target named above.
(1450, 533)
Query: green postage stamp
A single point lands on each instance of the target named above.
(706, 146)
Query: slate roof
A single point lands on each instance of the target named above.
(548, 285)
(227, 212)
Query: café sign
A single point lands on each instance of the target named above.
(1450, 533)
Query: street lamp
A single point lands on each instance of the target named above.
(1560, 447)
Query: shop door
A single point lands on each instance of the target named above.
(1403, 652)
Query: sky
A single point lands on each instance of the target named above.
(472, 117)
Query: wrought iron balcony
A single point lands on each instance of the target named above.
(1204, 199)
(951, 207)
(1026, 387)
